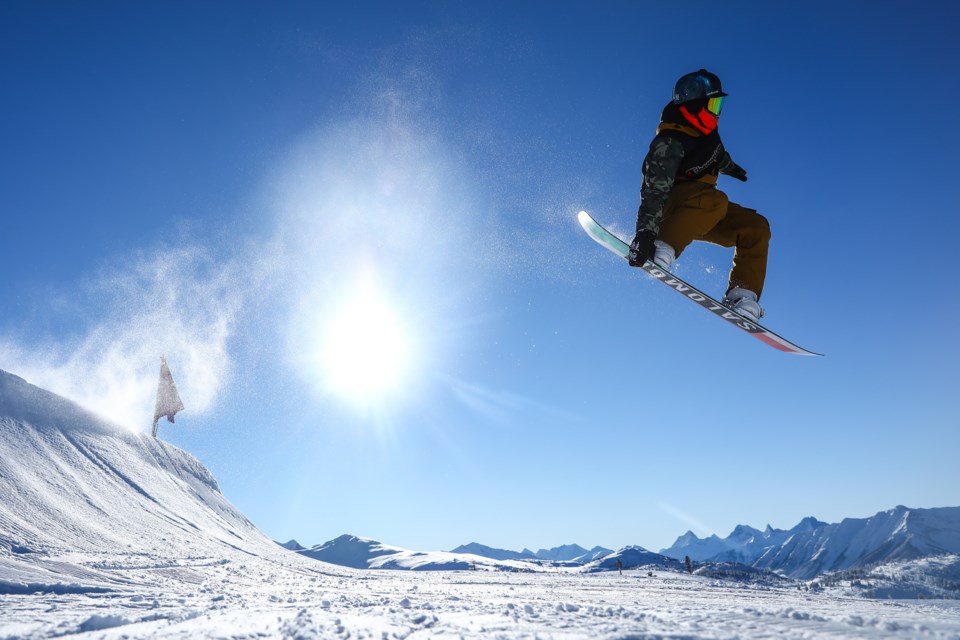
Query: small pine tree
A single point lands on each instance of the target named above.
(688, 564)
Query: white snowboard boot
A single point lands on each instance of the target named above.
(744, 302)
(664, 255)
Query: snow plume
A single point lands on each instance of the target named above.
(181, 302)
(374, 198)
(376, 191)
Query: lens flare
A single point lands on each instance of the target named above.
(367, 352)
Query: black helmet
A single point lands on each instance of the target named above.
(696, 86)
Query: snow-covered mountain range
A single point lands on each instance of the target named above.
(809, 549)
(813, 547)
(477, 549)
(566, 553)
(363, 553)
(744, 544)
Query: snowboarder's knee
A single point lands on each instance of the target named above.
(763, 227)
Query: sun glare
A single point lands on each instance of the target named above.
(368, 352)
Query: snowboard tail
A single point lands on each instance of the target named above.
(596, 231)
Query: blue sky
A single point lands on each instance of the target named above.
(220, 181)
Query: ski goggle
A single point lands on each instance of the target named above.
(715, 105)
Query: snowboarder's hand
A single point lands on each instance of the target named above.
(738, 172)
(642, 248)
(733, 170)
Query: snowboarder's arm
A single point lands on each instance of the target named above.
(659, 172)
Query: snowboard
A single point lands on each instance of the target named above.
(596, 231)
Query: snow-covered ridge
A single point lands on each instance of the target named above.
(477, 549)
(73, 483)
(573, 553)
(363, 553)
(812, 547)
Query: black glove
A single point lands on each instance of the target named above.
(736, 171)
(642, 248)
(732, 169)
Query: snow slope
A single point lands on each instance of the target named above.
(71, 481)
(932, 577)
(109, 534)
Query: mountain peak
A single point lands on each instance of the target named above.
(563, 552)
(292, 545)
(742, 532)
(482, 550)
(807, 524)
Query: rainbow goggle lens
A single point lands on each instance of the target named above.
(715, 105)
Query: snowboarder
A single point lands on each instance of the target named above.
(680, 202)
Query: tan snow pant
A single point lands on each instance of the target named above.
(700, 211)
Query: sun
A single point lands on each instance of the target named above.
(368, 351)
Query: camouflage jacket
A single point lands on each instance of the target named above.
(679, 151)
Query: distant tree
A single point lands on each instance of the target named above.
(688, 564)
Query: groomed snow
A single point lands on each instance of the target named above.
(253, 597)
